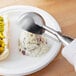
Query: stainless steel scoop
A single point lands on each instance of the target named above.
(34, 22)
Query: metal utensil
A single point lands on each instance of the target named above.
(34, 22)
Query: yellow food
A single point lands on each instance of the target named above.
(4, 48)
(2, 44)
(1, 49)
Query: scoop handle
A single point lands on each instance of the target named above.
(64, 39)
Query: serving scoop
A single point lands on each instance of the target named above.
(34, 23)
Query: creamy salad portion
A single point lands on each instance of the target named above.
(32, 45)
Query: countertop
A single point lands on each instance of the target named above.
(64, 12)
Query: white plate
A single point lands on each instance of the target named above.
(17, 63)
